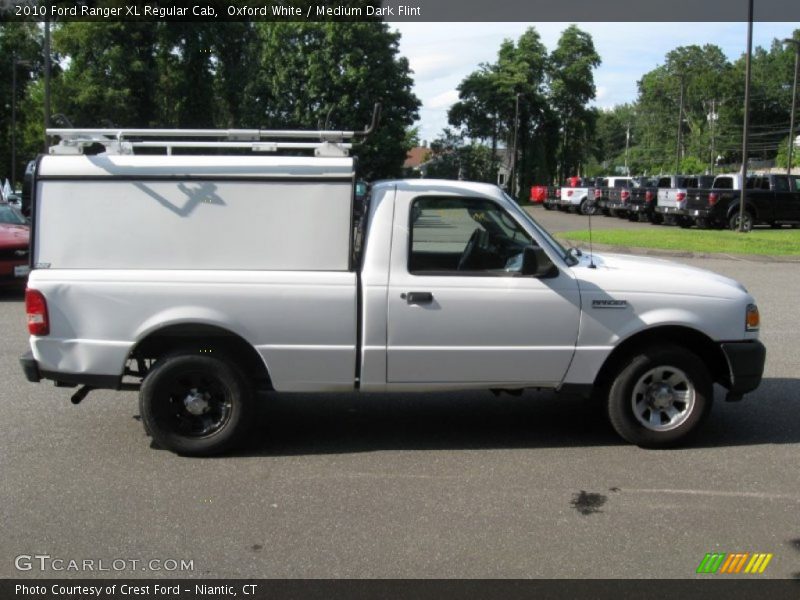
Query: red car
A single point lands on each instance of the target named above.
(14, 236)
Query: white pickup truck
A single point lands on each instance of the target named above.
(200, 280)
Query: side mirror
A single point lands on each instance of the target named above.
(536, 263)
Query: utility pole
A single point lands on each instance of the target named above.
(13, 120)
(627, 146)
(680, 132)
(513, 173)
(15, 62)
(712, 121)
(796, 44)
(46, 81)
(745, 131)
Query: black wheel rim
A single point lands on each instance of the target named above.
(193, 405)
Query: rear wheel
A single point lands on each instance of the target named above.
(587, 207)
(660, 396)
(747, 221)
(195, 404)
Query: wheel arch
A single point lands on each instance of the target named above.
(202, 338)
(697, 342)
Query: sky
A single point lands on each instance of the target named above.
(442, 54)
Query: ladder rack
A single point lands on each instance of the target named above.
(123, 141)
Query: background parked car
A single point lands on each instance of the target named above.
(14, 240)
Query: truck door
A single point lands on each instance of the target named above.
(459, 312)
(787, 198)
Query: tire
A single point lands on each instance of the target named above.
(221, 409)
(547, 206)
(587, 208)
(702, 223)
(656, 219)
(733, 221)
(649, 384)
(684, 223)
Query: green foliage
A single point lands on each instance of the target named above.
(313, 74)
(231, 75)
(534, 104)
(20, 43)
(782, 159)
(571, 88)
(693, 165)
(711, 127)
(453, 158)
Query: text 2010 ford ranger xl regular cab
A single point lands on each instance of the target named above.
(201, 279)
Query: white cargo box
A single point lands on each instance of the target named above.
(193, 212)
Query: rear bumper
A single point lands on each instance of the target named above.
(745, 365)
(30, 367)
(670, 210)
(35, 374)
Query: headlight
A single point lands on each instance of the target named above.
(752, 319)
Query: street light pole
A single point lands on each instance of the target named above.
(680, 132)
(796, 44)
(15, 62)
(13, 120)
(743, 193)
(46, 81)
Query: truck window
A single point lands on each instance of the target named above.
(781, 184)
(723, 183)
(458, 236)
(664, 182)
(794, 184)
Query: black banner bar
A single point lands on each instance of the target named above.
(399, 10)
(321, 589)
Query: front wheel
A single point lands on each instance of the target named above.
(660, 397)
(195, 404)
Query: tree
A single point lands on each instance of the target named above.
(20, 50)
(310, 75)
(453, 158)
(571, 88)
(506, 100)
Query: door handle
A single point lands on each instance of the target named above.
(418, 297)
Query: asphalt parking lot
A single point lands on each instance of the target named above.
(454, 485)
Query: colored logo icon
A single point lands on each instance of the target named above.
(735, 562)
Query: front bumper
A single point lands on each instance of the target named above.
(745, 365)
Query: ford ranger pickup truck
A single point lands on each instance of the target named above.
(200, 280)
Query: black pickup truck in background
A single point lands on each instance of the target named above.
(602, 193)
(771, 199)
(635, 202)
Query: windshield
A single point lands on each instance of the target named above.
(549, 239)
(11, 216)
